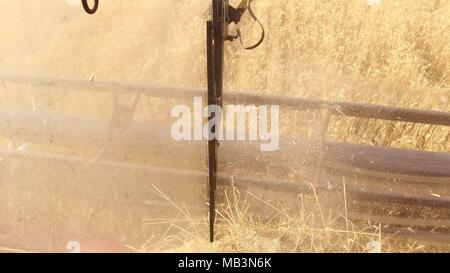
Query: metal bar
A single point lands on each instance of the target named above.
(350, 109)
(390, 160)
(398, 221)
(243, 181)
(212, 143)
(392, 113)
(352, 172)
(216, 40)
(158, 91)
(82, 133)
(400, 198)
(419, 235)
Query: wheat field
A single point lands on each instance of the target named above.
(395, 53)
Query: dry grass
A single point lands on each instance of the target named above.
(401, 43)
(241, 228)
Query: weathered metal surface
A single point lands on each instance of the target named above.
(246, 181)
(399, 221)
(350, 109)
(59, 130)
(390, 160)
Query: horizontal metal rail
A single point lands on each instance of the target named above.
(241, 181)
(350, 109)
(419, 235)
(55, 129)
(398, 221)
(390, 160)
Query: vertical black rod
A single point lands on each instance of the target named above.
(215, 52)
(219, 32)
(212, 161)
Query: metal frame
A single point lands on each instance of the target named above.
(349, 109)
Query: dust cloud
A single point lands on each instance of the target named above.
(60, 180)
(71, 187)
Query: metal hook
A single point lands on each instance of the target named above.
(235, 15)
(88, 9)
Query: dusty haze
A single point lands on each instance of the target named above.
(397, 54)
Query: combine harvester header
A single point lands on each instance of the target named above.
(367, 168)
